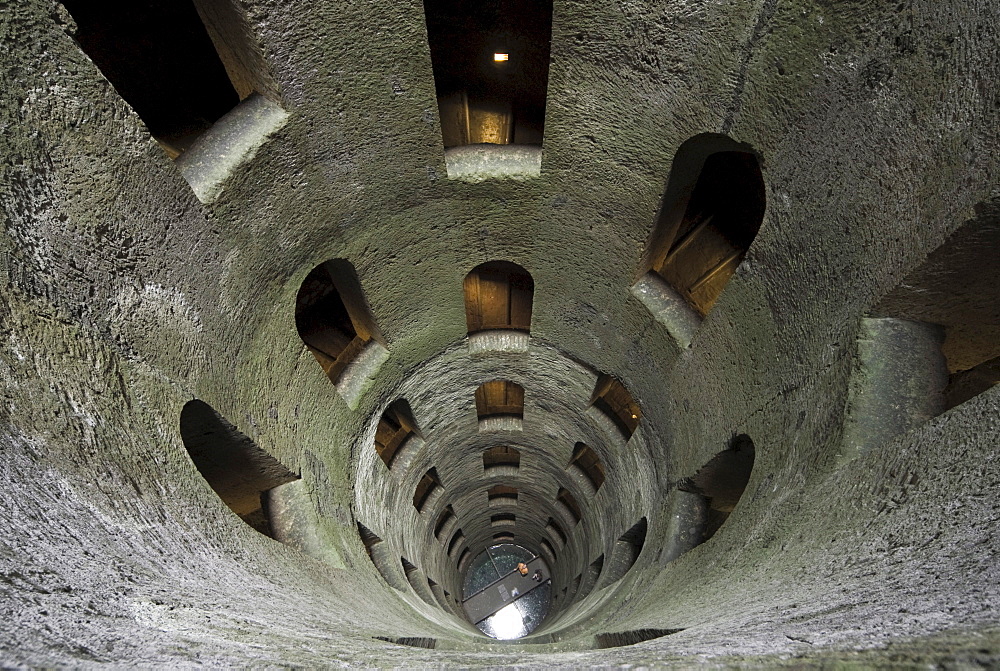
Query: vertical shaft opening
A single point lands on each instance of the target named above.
(491, 69)
(161, 60)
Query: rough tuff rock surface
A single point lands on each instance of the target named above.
(124, 297)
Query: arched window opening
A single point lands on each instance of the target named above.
(491, 64)
(569, 504)
(966, 384)
(428, 485)
(626, 551)
(332, 316)
(722, 218)
(711, 212)
(368, 537)
(503, 536)
(498, 295)
(503, 520)
(463, 558)
(500, 495)
(499, 398)
(586, 461)
(721, 482)
(456, 541)
(417, 582)
(239, 471)
(379, 554)
(410, 641)
(955, 289)
(620, 639)
(591, 576)
(439, 595)
(393, 430)
(556, 531)
(548, 549)
(160, 57)
(446, 516)
(614, 400)
(501, 459)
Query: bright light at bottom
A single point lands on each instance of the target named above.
(507, 623)
(500, 57)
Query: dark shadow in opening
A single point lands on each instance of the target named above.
(614, 400)
(428, 484)
(416, 579)
(548, 549)
(498, 295)
(393, 430)
(501, 456)
(332, 316)
(626, 551)
(722, 481)
(160, 58)
(711, 211)
(411, 641)
(591, 577)
(462, 558)
(556, 530)
(587, 462)
(379, 554)
(501, 495)
(617, 640)
(446, 516)
(482, 99)
(456, 539)
(237, 469)
(569, 503)
(956, 288)
(499, 398)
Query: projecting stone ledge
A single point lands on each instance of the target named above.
(500, 340)
(668, 307)
(479, 162)
(232, 141)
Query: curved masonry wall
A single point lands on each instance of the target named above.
(125, 297)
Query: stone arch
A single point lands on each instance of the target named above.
(499, 398)
(498, 296)
(721, 482)
(333, 318)
(626, 551)
(711, 211)
(239, 471)
(490, 69)
(394, 430)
